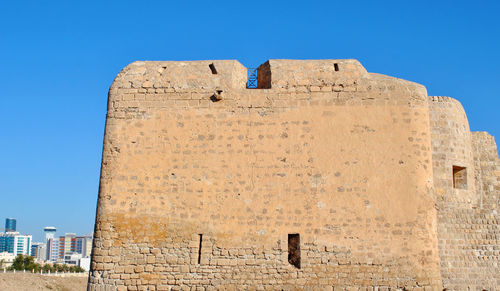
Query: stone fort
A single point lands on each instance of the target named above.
(323, 177)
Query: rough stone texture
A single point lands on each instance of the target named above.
(359, 164)
(468, 228)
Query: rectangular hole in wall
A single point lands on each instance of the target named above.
(212, 68)
(199, 248)
(252, 80)
(294, 249)
(459, 177)
(336, 66)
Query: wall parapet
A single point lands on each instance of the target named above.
(143, 87)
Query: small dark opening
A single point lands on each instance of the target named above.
(199, 249)
(215, 98)
(294, 249)
(459, 177)
(336, 66)
(212, 68)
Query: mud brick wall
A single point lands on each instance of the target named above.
(468, 229)
(203, 181)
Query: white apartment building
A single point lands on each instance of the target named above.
(15, 243)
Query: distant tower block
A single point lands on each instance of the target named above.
(10, 225)
(300, 175)
(49, 232)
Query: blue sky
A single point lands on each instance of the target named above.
(58, 59)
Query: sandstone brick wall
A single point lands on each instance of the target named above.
(486, 162)
(468, 228)
(203, 180)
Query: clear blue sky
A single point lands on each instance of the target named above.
(58, 59)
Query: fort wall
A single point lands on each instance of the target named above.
(327, 177)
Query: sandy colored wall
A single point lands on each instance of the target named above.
(341, 157)
(468, 228)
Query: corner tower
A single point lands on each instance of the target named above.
(467, 183)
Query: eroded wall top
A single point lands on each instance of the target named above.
(300, 76)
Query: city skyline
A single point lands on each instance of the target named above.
(42, 237)
(69, 248)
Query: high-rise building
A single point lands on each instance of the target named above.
(83, 245)
(34, 246)
(22, 244)
(50, 232)
(37, 248)
(10, 224)
(7, 242)
(67, 244)
(71, 244)
(15, 243)
(40, 252)
(52, 248)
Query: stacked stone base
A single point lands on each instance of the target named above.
(140, 267)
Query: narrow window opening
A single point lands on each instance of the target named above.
(212, 68)
(294, 249)
(459, 177)
(252, 82)
(199, 249)
(336, 66)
